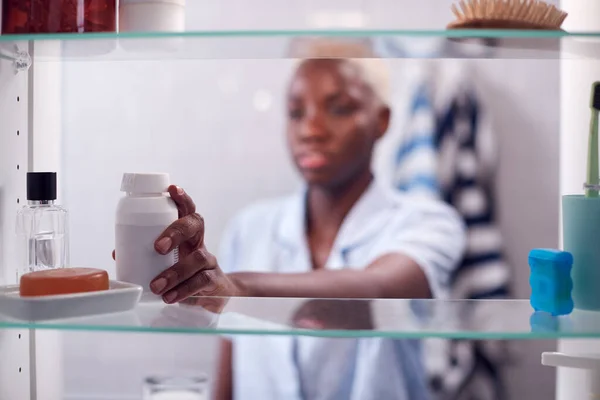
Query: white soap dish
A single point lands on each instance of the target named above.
(120, 296)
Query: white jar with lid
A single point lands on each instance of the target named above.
(142, 215)
(151, 15)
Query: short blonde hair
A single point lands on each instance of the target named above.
(374, 70)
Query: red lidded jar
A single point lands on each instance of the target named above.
(54, 16)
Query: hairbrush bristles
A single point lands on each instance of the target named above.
(507, 14)
(595, 100)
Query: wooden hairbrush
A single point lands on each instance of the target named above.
(506, 14)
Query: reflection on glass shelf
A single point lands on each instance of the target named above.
(269, 44)
(471, 319)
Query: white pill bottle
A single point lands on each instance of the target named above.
(142, 215)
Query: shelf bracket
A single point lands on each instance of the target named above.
(589, 362)
(21, 59)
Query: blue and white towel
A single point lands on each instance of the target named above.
(446, 151)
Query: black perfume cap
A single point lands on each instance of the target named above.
(41, 186)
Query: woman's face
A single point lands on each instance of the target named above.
(334, 120)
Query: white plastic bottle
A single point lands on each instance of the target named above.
(142, 215)
(151, 15)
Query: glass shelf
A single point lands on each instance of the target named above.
(466, 319)
(270, 44)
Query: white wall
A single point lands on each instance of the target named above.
(217, 126)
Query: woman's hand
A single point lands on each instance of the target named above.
(197, 272)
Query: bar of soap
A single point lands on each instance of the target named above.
(63, 281)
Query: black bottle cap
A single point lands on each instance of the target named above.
(41, 186)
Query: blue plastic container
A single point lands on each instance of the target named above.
(541, 321)
(550, 281)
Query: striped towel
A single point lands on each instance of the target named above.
(443, 153)
(415, 163)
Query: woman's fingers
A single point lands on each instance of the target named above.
(185, 204)
(188, 228)
(198, 261)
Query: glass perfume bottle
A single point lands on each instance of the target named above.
(42, 227)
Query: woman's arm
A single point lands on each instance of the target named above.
(415, 261)
(389, 276)
(224, 386)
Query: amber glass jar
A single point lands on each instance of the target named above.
(53, 16)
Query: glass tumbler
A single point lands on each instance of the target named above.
(581, 237)
(176, 388)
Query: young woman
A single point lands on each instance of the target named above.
(342, 236)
